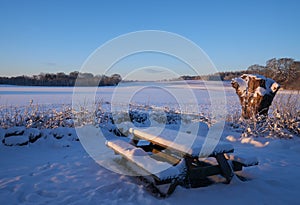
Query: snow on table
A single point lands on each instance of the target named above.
(182, 142)
(246, 160)
(162, 170)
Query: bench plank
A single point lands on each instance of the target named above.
(161, 170)
(245, 161)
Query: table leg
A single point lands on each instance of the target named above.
(226, 169)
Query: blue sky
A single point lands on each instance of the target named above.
(59, 35)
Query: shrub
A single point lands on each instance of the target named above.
(283, 120)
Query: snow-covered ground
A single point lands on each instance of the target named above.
(144, 93)
(56, 169)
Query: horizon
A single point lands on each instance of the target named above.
(58, 36)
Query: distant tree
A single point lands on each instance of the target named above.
(73, 75)
(115, 79)
(62, 79)
(85, 75)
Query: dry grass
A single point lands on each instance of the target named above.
(35, 116)
(283, 120)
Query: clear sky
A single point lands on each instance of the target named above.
(58, 35)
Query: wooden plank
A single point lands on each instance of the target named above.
(125, 156)
(236, 166)
(182, 144)
(164, 156)
(203, 172)
(180, 149)
(159, 170)
(245, 161)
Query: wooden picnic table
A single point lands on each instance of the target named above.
(187, 146)
(178, 158)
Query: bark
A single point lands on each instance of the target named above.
(256, 94)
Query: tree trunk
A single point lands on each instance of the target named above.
(256, 94)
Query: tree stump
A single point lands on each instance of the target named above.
(256, 94)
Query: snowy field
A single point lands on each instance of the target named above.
(56, 169)
(145, 93)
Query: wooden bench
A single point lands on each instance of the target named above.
(176, 158)
(239, 161)
(160, 171)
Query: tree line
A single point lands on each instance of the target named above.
(285, 71)
(63, 79)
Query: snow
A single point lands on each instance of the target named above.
(259, 91)
(274, 86)
(162, 170)
(15, 131)
(271, 85)
(33, 134)
(243, 84)
(16, 140)
(246, 160)
(144, 93)
(58, 170)
(20, 136)
(182, 142)
(46, 173)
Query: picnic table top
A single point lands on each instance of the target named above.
(184, 143)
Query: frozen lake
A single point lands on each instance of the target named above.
(147, 93)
